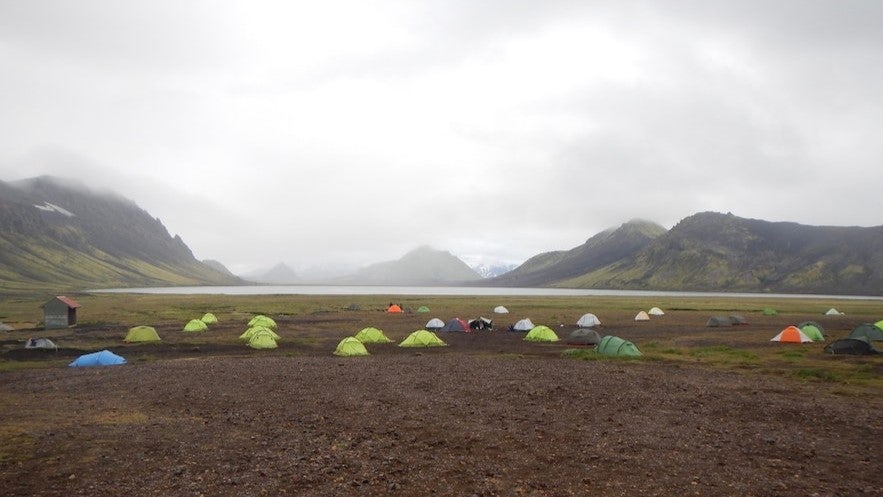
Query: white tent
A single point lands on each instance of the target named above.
(40, 343)
(656, 312)
(501, 310)
(642, 316)
(523, 325)
(588, 320)
(833, 312)
(435, 324)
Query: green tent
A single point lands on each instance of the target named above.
(261, 320)
(867, 330)
(769, 311)
(349, 347)
(142, 334)
(615, 346)
(879, 324)
(371, 335)
(422, 338)
(195, 325)
(541, 334)
(813, 330)
(209, 318)
(262, 339)
(423, 308)
(246, 336)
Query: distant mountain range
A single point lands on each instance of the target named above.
(716, 252)
(54, 233)
(57, 234)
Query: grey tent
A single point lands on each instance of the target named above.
(719, 321)
(523, 325)
(851, 346)
(584, 336)
(867, 330)
(737, 320)
(456, 324)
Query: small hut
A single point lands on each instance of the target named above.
(60, 312)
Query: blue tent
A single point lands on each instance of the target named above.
(103, 358)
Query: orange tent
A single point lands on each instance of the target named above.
(394, 309)
(791, 334)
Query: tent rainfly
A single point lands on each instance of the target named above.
(642, 316)
(588, 320)
(524, 325)
(434, 324)
(584, 336)
(852, 346)
(195, 325)
(209, 318)
(655, 312)
(456, 324)
(394, 309)
(541, 334)
(867, 330)
(103, 358)
(262, 339)
(261, 320)
(422, 338)
(371, 335)
(139, 334)
(247, 335)
(500, 310)
(791, 334)
(615, 346)
(813, 330)
(350, 347)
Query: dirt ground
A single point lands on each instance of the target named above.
(490, 415)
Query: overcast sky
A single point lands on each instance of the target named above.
(343, 131)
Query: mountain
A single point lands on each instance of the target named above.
(607, 247)
(280, 274)
(423, 266)
(722, 252)
(60, 234)
(492, 270)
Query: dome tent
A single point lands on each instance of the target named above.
(422, 309)
(140, 334)
(434, 324)
(617, 347)
(209, 318)
(655, 312)
(791, 334)
(584, 336)
(350, 347)
(642, 316)
(588, 320)
(261, 320)
(422, 338)
(868, 330)
(249, 333)
(523, 325)
(195, 325)
(456, 324)
(541, 334)
(371, 335)
(102, 358)
(262, 339)
(813, 330)
(40, 343)
(500, 310)
(852, 346)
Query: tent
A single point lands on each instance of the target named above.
(195, 325)
(523, 325)
(209, 318)
(6, 327)
(716, 321)
(867, 330)
(262, 339)
(350, 347)
(422, 338)
(434, 324)
(851, 346)
(142, 334)
(813, 330)
(249, 333)
(769, 311)
(879, 324)
(541, 334)
(642, 316)
(588, 320)
(584, 336)
(655, 312)
(833, 312)
(456, 324)
(40, 343)
(371, 335)
(617, 347)
(394, 309)
(737, 320)
(791, 334)
(103, 358)
(261, 320)
(423, 309)
(500, 310)
(481, 323)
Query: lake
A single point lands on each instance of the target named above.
(447, 290)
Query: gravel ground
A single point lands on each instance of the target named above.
(431, 422)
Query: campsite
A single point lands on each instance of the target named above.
(702, 411)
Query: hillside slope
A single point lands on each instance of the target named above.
(58, 234)
(722, 252)
(597, 252)
(423, 266)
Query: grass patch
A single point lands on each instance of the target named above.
(16, 446)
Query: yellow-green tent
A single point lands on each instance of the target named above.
(261, 320)
(372, 335)
(195, 325)
(246, 336)
(422, 338)
(349, 347)
(142, 334)
(541, 334)
(209, 318)
(261, 339)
